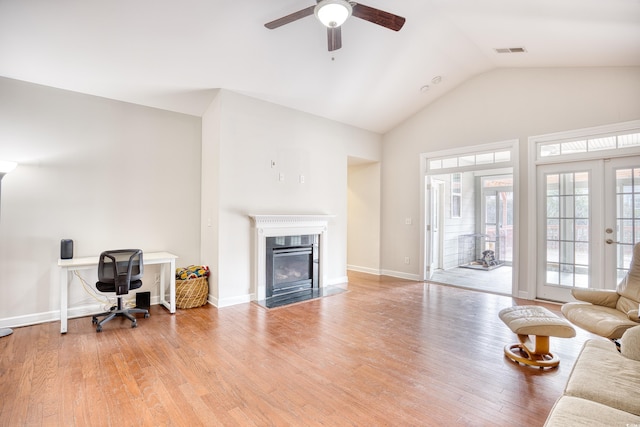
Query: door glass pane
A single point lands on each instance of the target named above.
(582, 230)
(567, 207)
(636, 180)
(627, 216)
(582, 206)
(567, 229)
(490, 212)
(553, 209)
(553, 185)
(552, 229)
(625, 205)
(566, 183)
(497, 215)
(505, 223)
(582, 183)
(624, 259)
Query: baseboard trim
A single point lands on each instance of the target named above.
(226, 302)
(337, 281)
(54, 316)
(401, 275)
(364, 269)
(212, 300)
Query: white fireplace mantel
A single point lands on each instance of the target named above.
(286, 225)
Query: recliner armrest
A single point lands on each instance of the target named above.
(630, 343)
(602, 297)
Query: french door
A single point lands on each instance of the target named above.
(437, 191)
(497, 215)
(589, 220)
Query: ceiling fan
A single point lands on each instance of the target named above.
(333, 13)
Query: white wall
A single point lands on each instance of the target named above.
(104, 173)
(500, 105)
(253, 135)
(363, 234)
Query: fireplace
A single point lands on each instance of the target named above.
(299, 240)
(291, 264)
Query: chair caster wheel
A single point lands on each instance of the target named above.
(146, 315)
(134, 324)
(98, 328)
(94, 320)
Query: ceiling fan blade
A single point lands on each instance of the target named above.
(290, 18)
(377, 16)
(334, 37)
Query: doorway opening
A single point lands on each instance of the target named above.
(469, 218)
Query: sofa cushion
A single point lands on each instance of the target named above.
(603, 375)
(630, 344)
(574, 411)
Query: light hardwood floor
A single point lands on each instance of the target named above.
(388, 352)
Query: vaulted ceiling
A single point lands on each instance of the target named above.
(171, 54)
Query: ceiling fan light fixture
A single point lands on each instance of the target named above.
(333, 13)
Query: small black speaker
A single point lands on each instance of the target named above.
(143, 300)
(66, 249)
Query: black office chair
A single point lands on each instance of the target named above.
(119, 271)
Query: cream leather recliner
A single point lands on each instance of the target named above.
(608, 313)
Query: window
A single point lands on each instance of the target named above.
(456, 195)
(588, 145)
(492, 157)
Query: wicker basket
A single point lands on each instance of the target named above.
(192, 292)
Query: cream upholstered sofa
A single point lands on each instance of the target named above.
(608, 313)
(603, 387)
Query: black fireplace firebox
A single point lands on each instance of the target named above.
(291, 264)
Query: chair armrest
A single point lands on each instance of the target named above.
(603, 297)
(630, 343)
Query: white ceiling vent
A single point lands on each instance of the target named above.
(510, 50)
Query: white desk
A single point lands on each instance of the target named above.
(68, 266)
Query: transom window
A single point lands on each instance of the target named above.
(467, 160)
(588, 145)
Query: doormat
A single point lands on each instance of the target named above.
(300, 296)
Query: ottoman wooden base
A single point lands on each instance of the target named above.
(528, 354)
(531, 320)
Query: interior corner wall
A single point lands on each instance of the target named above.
(275, 160)
(210, 187)
(104, 173)
(363, 237)
(500, 105)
